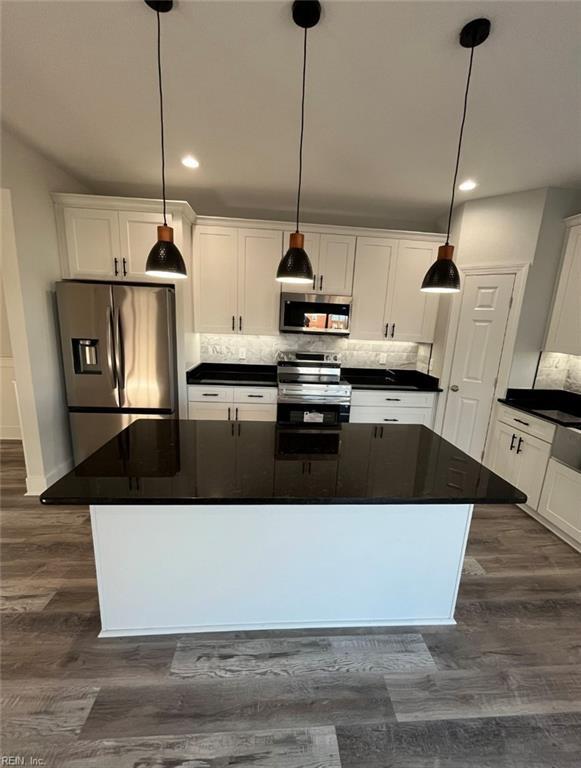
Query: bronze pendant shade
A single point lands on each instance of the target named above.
(164, 259)
(443, 275)
(295, 265)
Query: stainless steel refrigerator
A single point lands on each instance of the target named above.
(119, 357)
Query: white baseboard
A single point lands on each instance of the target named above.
(553, 528)
(36, 484)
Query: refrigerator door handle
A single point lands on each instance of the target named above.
(119, 353)
(111, 351)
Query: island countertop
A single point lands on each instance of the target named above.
(214, 462)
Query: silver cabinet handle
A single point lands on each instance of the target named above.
(321, 283)
(454, 388)
(393, 330)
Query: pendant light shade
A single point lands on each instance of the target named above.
(443, 275)
(165, 259)
(295, 265)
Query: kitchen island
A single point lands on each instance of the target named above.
(207, 526)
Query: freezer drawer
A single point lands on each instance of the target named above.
(90, 431)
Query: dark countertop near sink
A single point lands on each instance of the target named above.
(217, 462)
(554, 405)
(232, 374)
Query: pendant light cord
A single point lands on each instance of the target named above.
(302, 128)
(161, 117)
(459, 145)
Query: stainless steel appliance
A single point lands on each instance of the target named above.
(118, 347)
(310, 389)
(315, 313)
(566, 447)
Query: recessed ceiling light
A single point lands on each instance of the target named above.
(468, 185)
(190, 161)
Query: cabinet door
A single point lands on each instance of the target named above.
(92, 238)
(560, 496)
(372, 263)
(248, 412)
(255, 460)
(312, 246)
(564, 334)
(209, 411)
(411, 313)
(216, 460)
(138, 236)
(216, 279)
(501, 459)
(336, 261)
(530, 466)
(258, 290)
(368, 414)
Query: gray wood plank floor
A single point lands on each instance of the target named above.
(502, 689)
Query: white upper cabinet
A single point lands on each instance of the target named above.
(258, 290)
(564, 332)
(387, 301)
(92, 242)
(412, 313)
(138, 231)
(234, 280)
(215, 279)
(335, 267)
(332, 258)
(370, 287)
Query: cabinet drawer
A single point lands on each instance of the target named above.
(255, 395)
(200, 394)
(392, 398)
(544, 430)
(362, 414)
(210, 411)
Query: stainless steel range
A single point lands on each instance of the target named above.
(310, 389)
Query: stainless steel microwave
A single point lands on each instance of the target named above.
(315, 313)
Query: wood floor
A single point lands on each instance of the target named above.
(502, 689)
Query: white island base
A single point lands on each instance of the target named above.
(165, 569)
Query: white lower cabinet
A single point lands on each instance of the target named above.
(519, 457)
(560, 502)
(388, 406)
(218, 403)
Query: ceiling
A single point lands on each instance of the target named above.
(385, 88)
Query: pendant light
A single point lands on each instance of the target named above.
(164, 259)
(443, 275)
(295, 265)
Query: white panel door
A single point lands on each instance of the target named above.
(411, 313)
(482, 325)
(312, 246)
(92, 238)
(564, 333)
(531, 459)
(336, 260)
(501, 455)
(138, 231)
(258, 290)
(372, 264)
(216, 279)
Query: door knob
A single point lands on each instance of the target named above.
(454, 388)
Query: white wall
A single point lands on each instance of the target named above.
(9, 422)
(30, 178)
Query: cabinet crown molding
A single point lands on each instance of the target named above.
(106, 202)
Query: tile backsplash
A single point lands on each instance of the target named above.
(558, 371)
(354, 354)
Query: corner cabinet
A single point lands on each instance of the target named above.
(235, 290)
(109, 238)
(564, 331)
(387, 300)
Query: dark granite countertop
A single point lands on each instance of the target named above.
(554, 405)
(217, 462)
(236, 374)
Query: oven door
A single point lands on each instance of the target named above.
(315, 313)
(309, 413)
